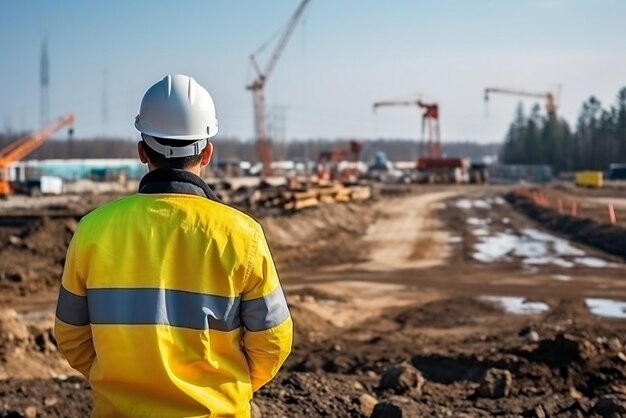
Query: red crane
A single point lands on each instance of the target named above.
(257, 86)
(20, 148)
(548, 96)
(430, 120)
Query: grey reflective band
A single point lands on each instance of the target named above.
(177, 308)
(72, 309)
(154, 306)
(175, 152)
(266, 312)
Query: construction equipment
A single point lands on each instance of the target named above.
(433, 167)
(18, 149)
(591, 179)
(257, 87)
(430, 120)
(329, 163)
(443, 170)
(548, 96)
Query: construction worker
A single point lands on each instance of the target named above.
(170, 303)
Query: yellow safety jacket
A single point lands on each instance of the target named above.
(170, 304)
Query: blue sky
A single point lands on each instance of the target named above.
(344, 55)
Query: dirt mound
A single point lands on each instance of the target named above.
(33, 246)
(320, 236)
(606, 237)
(308, 394)
(309, 327)
(448, 313)
(28, 351)
(315, 294)
(564, 309)
(46, 398)
(33, 253)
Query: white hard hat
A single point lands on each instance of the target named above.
(177, 107)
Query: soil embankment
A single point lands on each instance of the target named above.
(604, 236)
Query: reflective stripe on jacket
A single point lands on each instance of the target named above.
(171, 305)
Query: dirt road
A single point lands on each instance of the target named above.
(407, 234)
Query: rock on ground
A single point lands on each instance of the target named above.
(396, 407)
(403, 379)
(497, 383)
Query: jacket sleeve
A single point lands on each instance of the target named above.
(265, 315)
(71, 327)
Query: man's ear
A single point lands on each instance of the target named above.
(143, 157)
(207, 153)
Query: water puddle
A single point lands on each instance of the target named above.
(517, 305)
(609, 308)
(532, 247)
(479, 203)
(529, 246)
(478, 222)
(592, 262)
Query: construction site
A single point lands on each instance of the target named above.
(435, 286)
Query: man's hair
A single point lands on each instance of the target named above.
(159, 160)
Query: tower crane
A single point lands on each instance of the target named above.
(257, 87)
(430, 120)
(20, 148)
(548, 96)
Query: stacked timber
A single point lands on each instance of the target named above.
(285, 199)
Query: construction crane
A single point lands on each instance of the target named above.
(257, 87)
(430, 120)
(548, 96)
(20, 148)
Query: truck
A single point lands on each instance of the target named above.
(37, 186)
(444, 170)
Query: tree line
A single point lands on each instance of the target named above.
(236, 149)
(598, 140)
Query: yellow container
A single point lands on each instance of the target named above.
(589, 179)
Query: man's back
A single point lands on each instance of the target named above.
(169, 280)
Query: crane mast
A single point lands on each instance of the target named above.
(547, 96)
(258, 96)
(430, 121)
(20, 148)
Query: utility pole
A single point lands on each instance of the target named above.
(44, 83)
(105, 103)
(277, 130)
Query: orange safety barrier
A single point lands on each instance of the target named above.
(574, 208)
(611, 213)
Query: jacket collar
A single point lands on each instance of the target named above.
(172, 180)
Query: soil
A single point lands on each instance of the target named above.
(394, 284)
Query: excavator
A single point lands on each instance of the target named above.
(20, 148)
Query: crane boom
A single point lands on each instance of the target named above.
(395, 103)
(17, 150)
(430, 118)
(282, 43)
(257, 87)
(20, 148)
(548, 96)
